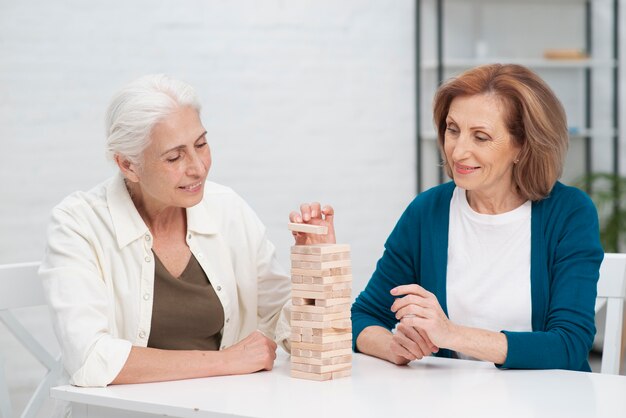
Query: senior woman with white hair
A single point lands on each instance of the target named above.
(158, 274)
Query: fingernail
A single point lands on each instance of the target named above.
(393, 291)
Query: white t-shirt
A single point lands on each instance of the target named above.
(488, 276)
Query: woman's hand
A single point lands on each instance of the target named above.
(253, 353)
(420, 309)
(314, 214)
(409, 343)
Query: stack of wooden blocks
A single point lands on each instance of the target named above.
(321, 329)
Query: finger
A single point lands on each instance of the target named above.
(409, 345)
(329, 213)
(431, 346)
(399, 350)
(305, 209)
(410, 289)
(419, 337)
(316, 212)
(412, 310)
(295, 217)
(400, 303)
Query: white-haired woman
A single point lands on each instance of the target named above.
(157, 274)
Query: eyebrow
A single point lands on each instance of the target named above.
(480, 127)
(181, 146)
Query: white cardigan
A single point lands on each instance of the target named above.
(98, 275)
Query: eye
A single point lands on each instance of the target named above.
(201, 145)
(172, 159)
(482, 137)
(451, 128)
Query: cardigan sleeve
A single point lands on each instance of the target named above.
(395, 267)
(574, 254)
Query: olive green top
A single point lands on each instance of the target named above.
(186, 312)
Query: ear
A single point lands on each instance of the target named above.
(128, 169)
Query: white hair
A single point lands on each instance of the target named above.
(138, 107)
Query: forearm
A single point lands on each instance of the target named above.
(155, 365)
(479, 343)
(375, 341)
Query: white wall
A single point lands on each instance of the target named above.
(307, 100)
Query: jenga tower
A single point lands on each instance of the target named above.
(321, 329)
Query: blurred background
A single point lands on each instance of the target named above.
(302, 100)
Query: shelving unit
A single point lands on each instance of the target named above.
(587, 87)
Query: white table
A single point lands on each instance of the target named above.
(432, 387)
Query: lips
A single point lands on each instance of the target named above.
(464, 169)
(192, 187)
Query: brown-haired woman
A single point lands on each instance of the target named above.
(500, 264)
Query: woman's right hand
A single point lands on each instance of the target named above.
(314, 214)
(253, 353)
(408, 344)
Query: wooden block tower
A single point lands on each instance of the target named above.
(321, 329)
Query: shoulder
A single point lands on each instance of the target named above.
(82, 202)
(564, 198)
(433, 199)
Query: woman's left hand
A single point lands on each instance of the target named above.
(314, 214)
(420, 309)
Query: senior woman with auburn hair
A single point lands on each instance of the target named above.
(158, 274)
(500, 264)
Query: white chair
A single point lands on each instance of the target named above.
(612, 292)
(20, 287)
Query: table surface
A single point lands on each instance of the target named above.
(426, 388)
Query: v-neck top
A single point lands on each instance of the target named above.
(186, 312)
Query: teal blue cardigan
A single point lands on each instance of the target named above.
(564, 268)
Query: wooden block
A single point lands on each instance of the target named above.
(321, 309)
(308, 228)
(321, 332)
(330, 279)
(322, 361)
(311, 324)
(311, 376)
(296, 338)
(333, 294)
(306, 316)
(321, 354)
(321, 257)
(328, 338)
(335, 271)
(338, 324)
(320, 249)
(332, 302)
(302, 302)
(314, 368)
(296, 279)
(322, 347)
(320, 265)
(302, 331)
(311, 287)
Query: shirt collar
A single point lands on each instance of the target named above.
(127, 222)
(201, 218)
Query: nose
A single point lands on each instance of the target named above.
(462, 147)
(197, 167)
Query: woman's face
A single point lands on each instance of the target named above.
(478, 146)
(176, 162)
